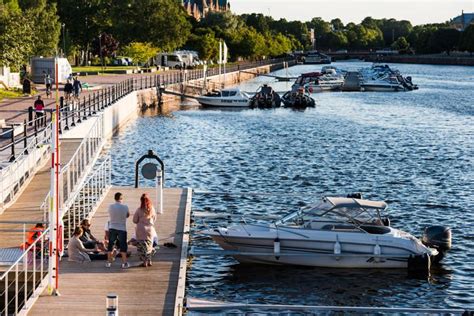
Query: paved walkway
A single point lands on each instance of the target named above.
(141, 291)
(16, 110)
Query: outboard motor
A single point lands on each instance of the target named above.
(438, 237)
(356, 195)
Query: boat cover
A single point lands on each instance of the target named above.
(356, 203)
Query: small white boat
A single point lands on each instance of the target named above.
(383, 84)
(337, 232)
(326, 80)
(232, 97)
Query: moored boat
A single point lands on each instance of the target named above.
(336, 232)
(298, 100)
(265, 97)
(232, 97)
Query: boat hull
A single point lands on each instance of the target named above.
(223, 102)
(357, 250)
(381, 88)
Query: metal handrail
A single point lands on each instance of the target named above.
(28, 267)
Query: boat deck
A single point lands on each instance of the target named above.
(156, 290)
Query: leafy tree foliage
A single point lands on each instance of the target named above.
(467, 39)
(401, 44)
(445, 39)
(16, 38)
(141, 53)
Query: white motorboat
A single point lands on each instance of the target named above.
(232, 97)
(383, 78)
(326, 80)
(387, 83)
(337, 232)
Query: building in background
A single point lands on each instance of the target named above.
(461, 22)
(199, 8)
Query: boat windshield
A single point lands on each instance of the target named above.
(338, 209)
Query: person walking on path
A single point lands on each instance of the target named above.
(145, 217)
(49, 84)
(75, 249)
(39, 110)
(118, 214)
(68, 91)
(77, 87)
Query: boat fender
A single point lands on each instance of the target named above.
(419, 265)
(276, 248)
(377, 252)
(337, 248)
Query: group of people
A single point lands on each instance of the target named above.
(83, 242)
(70, 90)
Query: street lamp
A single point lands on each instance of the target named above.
(100, 52)
(64, 39)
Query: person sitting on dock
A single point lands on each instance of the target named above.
(89, 241)
(75, 249)
(118, 214)
(34, 233)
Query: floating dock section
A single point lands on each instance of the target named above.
(156, 290)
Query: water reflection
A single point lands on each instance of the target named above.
(414, 150)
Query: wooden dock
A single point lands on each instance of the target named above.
(27, 207)
(156, 290)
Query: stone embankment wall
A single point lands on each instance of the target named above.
(433, 60)
(150, 98)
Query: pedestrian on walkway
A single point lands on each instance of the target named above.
(39, 110)
(118, 214)
(145, 217)
(48, 81)
(68, 91)
(77, 86)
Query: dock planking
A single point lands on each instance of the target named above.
(27, 207)
(141, 291)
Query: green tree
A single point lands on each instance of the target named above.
(46, 26)
(164, 23)
(401, 44)
(467, 39)
(445, 39)
(205, 43)
(141, 53)
(16, 38)
(337, 24)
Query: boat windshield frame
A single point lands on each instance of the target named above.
(340, 207)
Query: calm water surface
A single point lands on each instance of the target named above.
(414, 150)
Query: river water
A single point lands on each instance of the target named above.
(415, 150)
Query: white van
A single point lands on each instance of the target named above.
(171, 60)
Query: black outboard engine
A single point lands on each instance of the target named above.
(355, 195)
(438, 237)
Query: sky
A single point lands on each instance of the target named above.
(415, 11)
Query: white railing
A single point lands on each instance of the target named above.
(15, 174)
(85, 201)
(26, 278)
(76, 170)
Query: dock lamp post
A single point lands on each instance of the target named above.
(111, 303)
(150, 171)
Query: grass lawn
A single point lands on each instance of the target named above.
(8, 94)
(100, 69)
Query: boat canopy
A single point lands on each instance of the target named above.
(356, 203)
(356, 211)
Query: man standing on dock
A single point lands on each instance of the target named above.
(118, 214)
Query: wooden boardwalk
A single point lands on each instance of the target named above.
(141, 291)
(27, 207)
